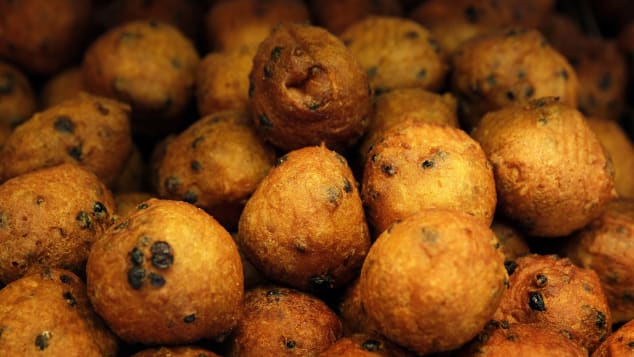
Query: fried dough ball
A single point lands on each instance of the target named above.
(185, 15)
(127, 202)
(167, 274)
(17, 101)
(91, 131)
(149, 65)
(233, 24)
(308, 88)
(50, 217)
(606, 246)
(563, 33)
(394, 107)
(512, 243)
(337, 15)
(132, 175)
(304, 225)
(63, 86)
(557, 295)
(216, 164)
(620, 149)
(364, 345)
(281, 321)
(419, 165)
(183, 351)
(453, 22)
(618, 344)
(602, 73)
(222, 81)
(507, 67)
(353, 316)
(43, 35)
(458, 294)
(48, 313)
(552, 175)
(522, 340)
(396, 53)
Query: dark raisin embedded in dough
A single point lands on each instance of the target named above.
(333, 194)
(605, 82)
(84, 220)
(162, 255)
(388, 169)
(322, 282)
(102, 109)
(510, 266)
(529, 91)
(135, 277)
(275, 294)
(521, 74)
(65, 279)
(347, 186)
(176, 63)
(42, 340)
(490, 79)
(412, 35)
(290, 344)
(190, 197)
(63, 124)
(510, 95)
(422, 73)
(142, 206)
(195, 166)
(600, 320)
(427, 164)
(536, 301)
(70, 299)
(433, 44)
(541, 280)
(275, 53)
(171, 184)
(268, 71)
(471, 14)
(75, 152)
(156, 280)
(189, 318)
(630, 344)
(372, 71)
(281, 160)
(197, 142)
(563, 74)
(136, 256)
(265, 122)
(371, 345)
(99, 209)
(7, 83)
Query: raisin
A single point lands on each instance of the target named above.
(42, 340)
(63, 124)
(511, 338)
(7, 83)
(388, 169)
(433, 44)
(176, 63)
(347, 186)
(275, 294)
(563, 74)
(153, 24)
(75, 152)
(490, 79)
(190, 197)
(65, 279)
(39, 200)
(471, 14)
(605, 82)
(171, 184)
(630, 344)
(265, 122)
(510, 266)
(542, 121)
(142, 206)
(281, 160)
(135, 277)
(427, 164)
(372, 71)
(84, 220)
(70, 299)
(99, 209)
(162, 255)
(275, 53)
(290, 344)
(375, 157)
(421, 73)
(156, 280)
(313, 105)
(251, 87)
(322, 282)
(540, 280)
(136, 256)
(529, 91)
(195, 166)
(536, 301)
(333, 195)
(430, 235)
(521, 74)
(412, 35)
(371, 345)
(510, 95)
(600, 320)
(268, 72)
(101, 109)
(197, 142)
(189, 318)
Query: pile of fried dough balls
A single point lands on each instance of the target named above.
(315, 178)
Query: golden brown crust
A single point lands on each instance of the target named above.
(503, 340)
(304, 225)
(364, 345)
(127, 202)
(513, 244)
(17, 100)
(457, 295)
(149, 65)
(514, 65)
(42, 36)
(236, 23)
(216, 164)
(308, 88)
(63, 86)
(621, 151)
(605, 246)
(396, 53)
(280, 321)
(337, 15)
(167, 274)
(46, 221)
(222, 80)
(558, 295)
(182, 351)
(93, 132)
(618, 344)
(48, 313)
(552, 175)
(418, 165)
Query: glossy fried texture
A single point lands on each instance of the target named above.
(364, 345)
(552, 175)
(457, 295)
(222, 80)
(51, 217)
(605, 246)
(512, 242)
(147, 64)
(232, 24)
(280, 321)
(621, 151)
(182, 351)
(90, 131)
(304, 225)
(48, 313)
(308, 88)
(399, 105)
(557, 295)
(168, 274)
(42, 36)
(216, 164)
(511, 66)
(618, 344)
(337, 15)
(62, 86)
(396, 53)
(502, 340)
(418, 165)
(17, 100)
